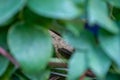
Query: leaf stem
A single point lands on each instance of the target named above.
(8, 56)
(55, 62)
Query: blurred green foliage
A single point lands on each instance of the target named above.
(24, 26)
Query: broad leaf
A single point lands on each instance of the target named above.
(79, 1)
(99, 62)
(78, 62)
(77, 65)
(115, 3)
(32, 18)
(3, 37)
(80, 41)
(3, 65)
(86, 42)
(41, 76)
(111, 45)
(75, 27)
(8, 8)
(31, 46)
(59, 9)
(98, 13)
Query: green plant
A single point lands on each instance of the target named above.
(90, 26)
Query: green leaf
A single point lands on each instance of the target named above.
(88, 78)
(41, 76)
(31, 46)
(3, 65)
(79, 42)
(115, 14)
(111, 45)
(86, 42)
(99, 62)
(3, 43)
(75, 27)
(98, 13)
(115, 3)
(32, 18)
(8, 73)
(8, 22)
(3, 38)
(113, 76)
(79, 1)
(8, 8)
(59, 9)
(77, 65)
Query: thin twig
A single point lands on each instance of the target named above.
(88, 73)
(8, 56)
(55, 62)
(111, 13)
(82, 77)
(54, 78)
(59, 74)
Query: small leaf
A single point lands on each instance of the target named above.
(111, 45)
(59, 9)
(98, 13)
(77, 65)
(31, 46)
(115, 3)
(99, 62)
(8, 8)
(3, 65)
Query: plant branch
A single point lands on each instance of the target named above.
(59, 63)
(8, 56)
